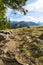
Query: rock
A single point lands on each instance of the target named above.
(11, 37)
(40, 41)
(1, 45)
(0, 51)
(1, 62)
(7, 33)
(2, 38)
(5, 41)
(41, 51)
(1, 31)
(30, 40)
(20, 48)
(5, 49)
(9, 61)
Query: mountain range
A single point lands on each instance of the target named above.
(23, 24)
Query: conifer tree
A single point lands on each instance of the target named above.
(13, 4)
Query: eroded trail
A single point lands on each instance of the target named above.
(20, 48)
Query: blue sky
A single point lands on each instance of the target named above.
(35, 12)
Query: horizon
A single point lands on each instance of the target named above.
(35, 12)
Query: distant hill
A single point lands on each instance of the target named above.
(40, 23)
(23, 24)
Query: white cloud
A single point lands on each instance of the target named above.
(37, 6)
(40, 19)
(25, 18)
(8, 12)
(28, 18)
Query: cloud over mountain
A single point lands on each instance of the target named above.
(35, 12)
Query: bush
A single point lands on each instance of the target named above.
(41, 37)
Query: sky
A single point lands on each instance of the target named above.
(35, 12)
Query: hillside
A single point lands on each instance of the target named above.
(23, 24)
(22, 46)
